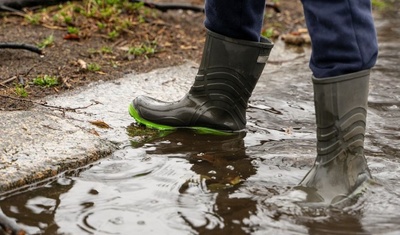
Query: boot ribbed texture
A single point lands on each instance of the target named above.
(341, 109)
(227, 75)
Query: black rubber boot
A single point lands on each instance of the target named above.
(217, 101)
(340, 170)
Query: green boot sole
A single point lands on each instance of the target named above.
(152, 125)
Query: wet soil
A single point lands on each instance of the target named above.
(179, 34)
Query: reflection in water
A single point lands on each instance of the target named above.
(185, 183)
(343, 224)
(222, 166)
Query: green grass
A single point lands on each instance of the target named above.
(20, 91)
(45, 81)
(379, 4)
(143, 49)
(113, 35)
(268, 33)
(33, 19)
(72, 30)
(109, 17)
(106, 50)
(46, 42)
(94, 67)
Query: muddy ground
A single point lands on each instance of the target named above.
(179, 35)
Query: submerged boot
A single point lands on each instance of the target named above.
(217, 101)
(340, 170)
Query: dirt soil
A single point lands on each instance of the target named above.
(179, 35)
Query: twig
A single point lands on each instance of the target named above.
(3, 83)
(21, 46)
(48, 105)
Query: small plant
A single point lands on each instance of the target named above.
(268, 33)
(78, 9)
(112, 17)
(67, 19)
(33, 19)
(136, 51)
(72, 30)
(141, 19)
(113, 35)
(143, 50)
(137, 5)
(45, 81)
(93, 67)
(101, 25)
(106, 50)
(20, 91)
(379, 4)
(46, 42)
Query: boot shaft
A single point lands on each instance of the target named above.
(341, 110)
(243, 57)
(340, 171)
(230, 67)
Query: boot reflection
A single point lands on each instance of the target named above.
(221, 164)
(342, 224)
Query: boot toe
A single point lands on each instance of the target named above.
(144, 105)
(145, 101)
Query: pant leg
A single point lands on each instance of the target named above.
(240, 19)
(343, 36)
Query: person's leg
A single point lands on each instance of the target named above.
(233, 58)
(240, 19)
(344, 48)
(342, 34)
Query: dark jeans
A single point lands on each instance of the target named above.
(342, 32)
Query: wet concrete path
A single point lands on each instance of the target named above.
(184, 183)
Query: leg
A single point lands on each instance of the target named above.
(240, 19)
(343, 36)
(344, 49)
(228, 73)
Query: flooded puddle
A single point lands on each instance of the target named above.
(185, 183)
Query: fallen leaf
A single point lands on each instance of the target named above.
(293, 39)
(235, 180)
(100, 124)
(71, 36)
(302, 30)
(82, 63)
(188, 47)
(94, 132)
